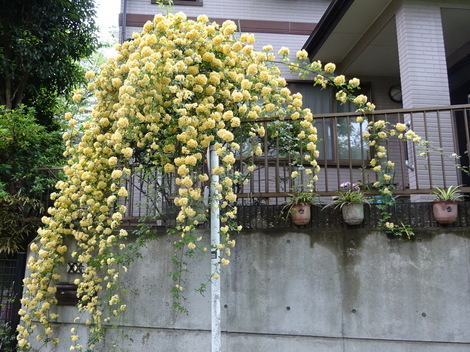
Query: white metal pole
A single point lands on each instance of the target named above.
(215, 240)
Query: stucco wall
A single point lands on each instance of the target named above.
(269, 10)
(307, 11)
(306, 290)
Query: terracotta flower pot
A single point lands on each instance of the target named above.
(445, 212)
(300, 214)
(353, 213)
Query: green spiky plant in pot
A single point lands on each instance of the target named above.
(298, 207)
(445, 206)
(350, 199)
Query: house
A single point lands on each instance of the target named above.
(408, 55)
(420, 46)
(414, 54)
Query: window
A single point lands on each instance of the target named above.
(339, 138)
(183, 2)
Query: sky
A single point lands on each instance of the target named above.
(107, 14)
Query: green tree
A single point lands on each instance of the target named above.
(25, 147)
(41, 43)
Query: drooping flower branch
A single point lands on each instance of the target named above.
(171, 91)
(378, 133)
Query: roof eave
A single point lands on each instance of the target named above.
(333, 14)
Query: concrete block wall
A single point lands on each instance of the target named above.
(304, 290)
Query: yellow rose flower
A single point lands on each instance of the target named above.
(169, 168)
(116, 174)
(219, 170)
(330, 67)
(302, 55)
(360, 99)
(339, 80)
(202, 18)
(382, 134)
(231, 197)
(203, 177)
(186, 181)
(122, 192)
(127, 152)
(284, 51)
(89, 75)
(355, 82)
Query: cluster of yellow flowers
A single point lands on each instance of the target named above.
(377, 133)
(377, 136)
(170, 92)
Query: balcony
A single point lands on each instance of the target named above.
(344, 157)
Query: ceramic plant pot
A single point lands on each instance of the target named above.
(445, 212)
(353, 213)
(300, 214)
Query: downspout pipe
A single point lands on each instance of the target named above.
(123, 22)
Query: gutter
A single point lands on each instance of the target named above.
(333, 14)
(123, 21)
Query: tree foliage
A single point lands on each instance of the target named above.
(25, 147)
(19, 221)
(41, 43)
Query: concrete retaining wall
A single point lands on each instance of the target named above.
(306, 291)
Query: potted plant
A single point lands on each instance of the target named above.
(298, 207)
(445, 208)
(351, 202)
(350, 199)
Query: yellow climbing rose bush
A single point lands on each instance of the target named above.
(172, 91)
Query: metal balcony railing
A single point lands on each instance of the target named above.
(344, 157)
